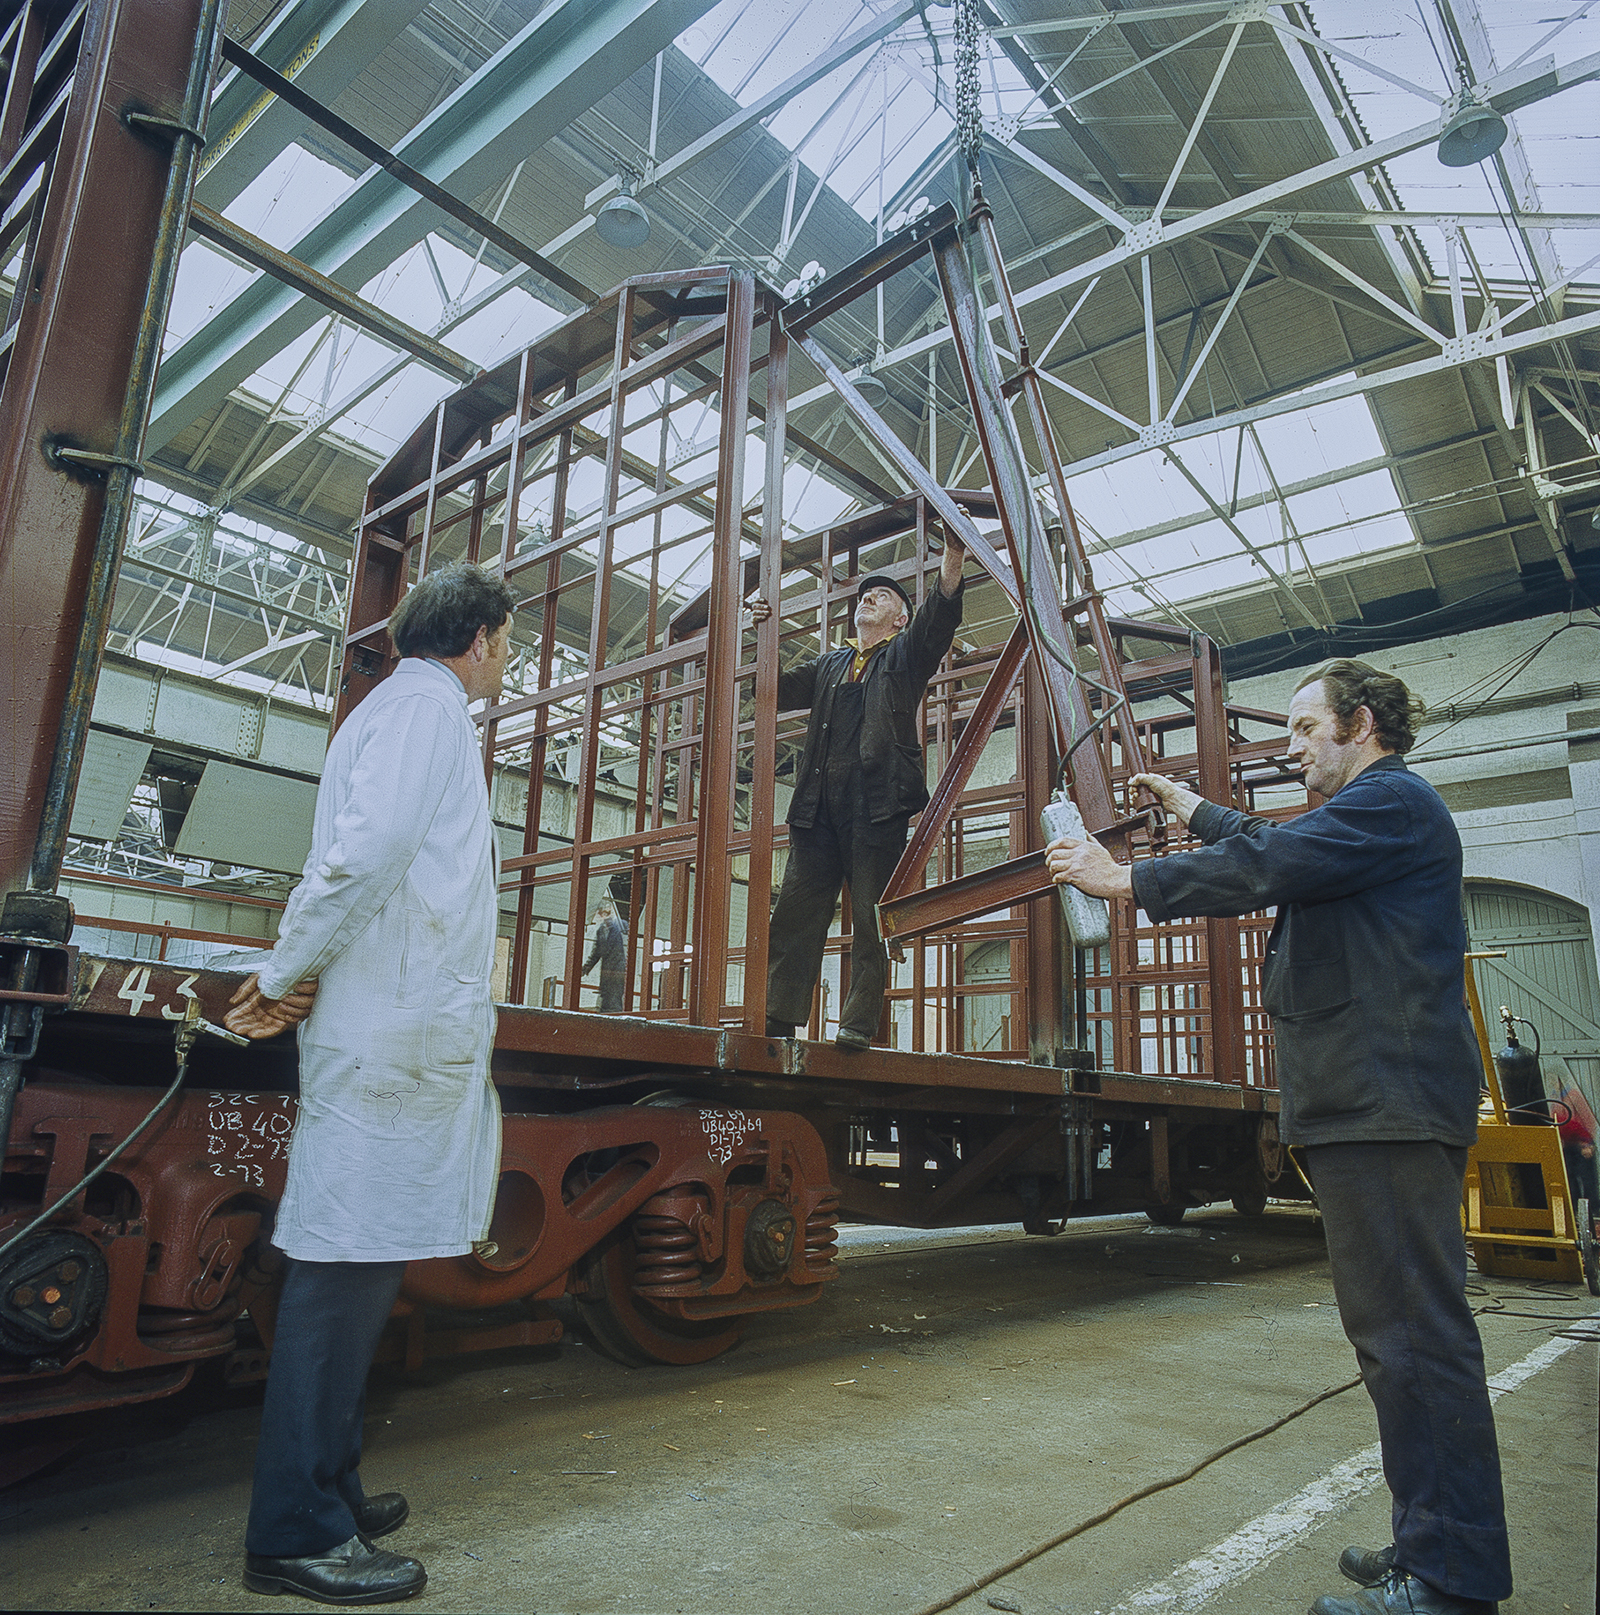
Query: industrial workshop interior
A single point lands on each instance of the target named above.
(679, 673)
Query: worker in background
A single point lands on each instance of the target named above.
(1379, 1072)
(610, 952)
(1577, 1145)
(861, 777)
(396, 1150)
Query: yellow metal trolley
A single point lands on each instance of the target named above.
(1517, 1206)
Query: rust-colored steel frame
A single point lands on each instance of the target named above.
(689, 818)
(97, 143)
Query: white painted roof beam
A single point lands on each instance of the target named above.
(568, 58)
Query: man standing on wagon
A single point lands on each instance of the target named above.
(860, 779)
(396, 1150)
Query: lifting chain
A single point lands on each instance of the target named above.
(969, 110)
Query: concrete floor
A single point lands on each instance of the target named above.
(954, 1402)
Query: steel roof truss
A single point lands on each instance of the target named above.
(567, 57)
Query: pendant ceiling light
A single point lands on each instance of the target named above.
(623, 222)
(1475, 132)
(871, 386)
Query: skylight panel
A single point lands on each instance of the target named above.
(1237, 571)
(288, 196)
(758, 46)
(381, 422)
(878, 109)
(207, 280)
(506, 326)
(1134, 493)
(1355, 499)
(1555, 136)
(1320, 439)
(1369, 535)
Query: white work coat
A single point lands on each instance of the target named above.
(396, 1150)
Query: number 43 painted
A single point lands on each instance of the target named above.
(134, 986)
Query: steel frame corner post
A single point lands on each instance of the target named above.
(599, 639)
(378, 572)
(1046, 955)
(105, 229)
(1038, 586)
(764, 740)
(720, 709)
(1224, 965)
(547, 600)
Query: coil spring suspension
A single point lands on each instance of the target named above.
(822, 1230)
(665, 1247)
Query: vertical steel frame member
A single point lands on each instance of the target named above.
(491, 478)
(100, 128)
(99, 131)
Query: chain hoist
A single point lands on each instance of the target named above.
(969, 110)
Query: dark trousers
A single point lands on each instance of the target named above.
(612, 983)
(1581, 1177)
(829, 854)
(1392, 1213)
(306, 1483)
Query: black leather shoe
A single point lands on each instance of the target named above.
(1365, 1567)
(1401, 1593)
(777, 1028)
(355, 1572)
(380, 1515)
(853, 1041)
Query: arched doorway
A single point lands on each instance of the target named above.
(1548, 975)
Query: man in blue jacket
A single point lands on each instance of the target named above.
(860, 779)
(1379, 1073)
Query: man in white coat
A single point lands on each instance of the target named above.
(396, 1150)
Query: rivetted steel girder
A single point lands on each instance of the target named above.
(564, 61)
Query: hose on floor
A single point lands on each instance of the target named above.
(990, 1577)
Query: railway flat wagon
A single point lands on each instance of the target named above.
(670, 1168)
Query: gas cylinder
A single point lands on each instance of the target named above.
(1521, 1083)
(1088, 918)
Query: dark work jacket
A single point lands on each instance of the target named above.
(1363, 973)
(892, 686)
(610, 949)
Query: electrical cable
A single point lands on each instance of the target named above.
(1523, 664)
(990, 1577)
(189, 1029)
(1541, 1317)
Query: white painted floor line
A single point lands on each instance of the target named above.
(1254, 1545)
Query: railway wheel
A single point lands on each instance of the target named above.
(628, 1329)
(1587, 1247)
(1168, 1216)
(1252, 1202)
